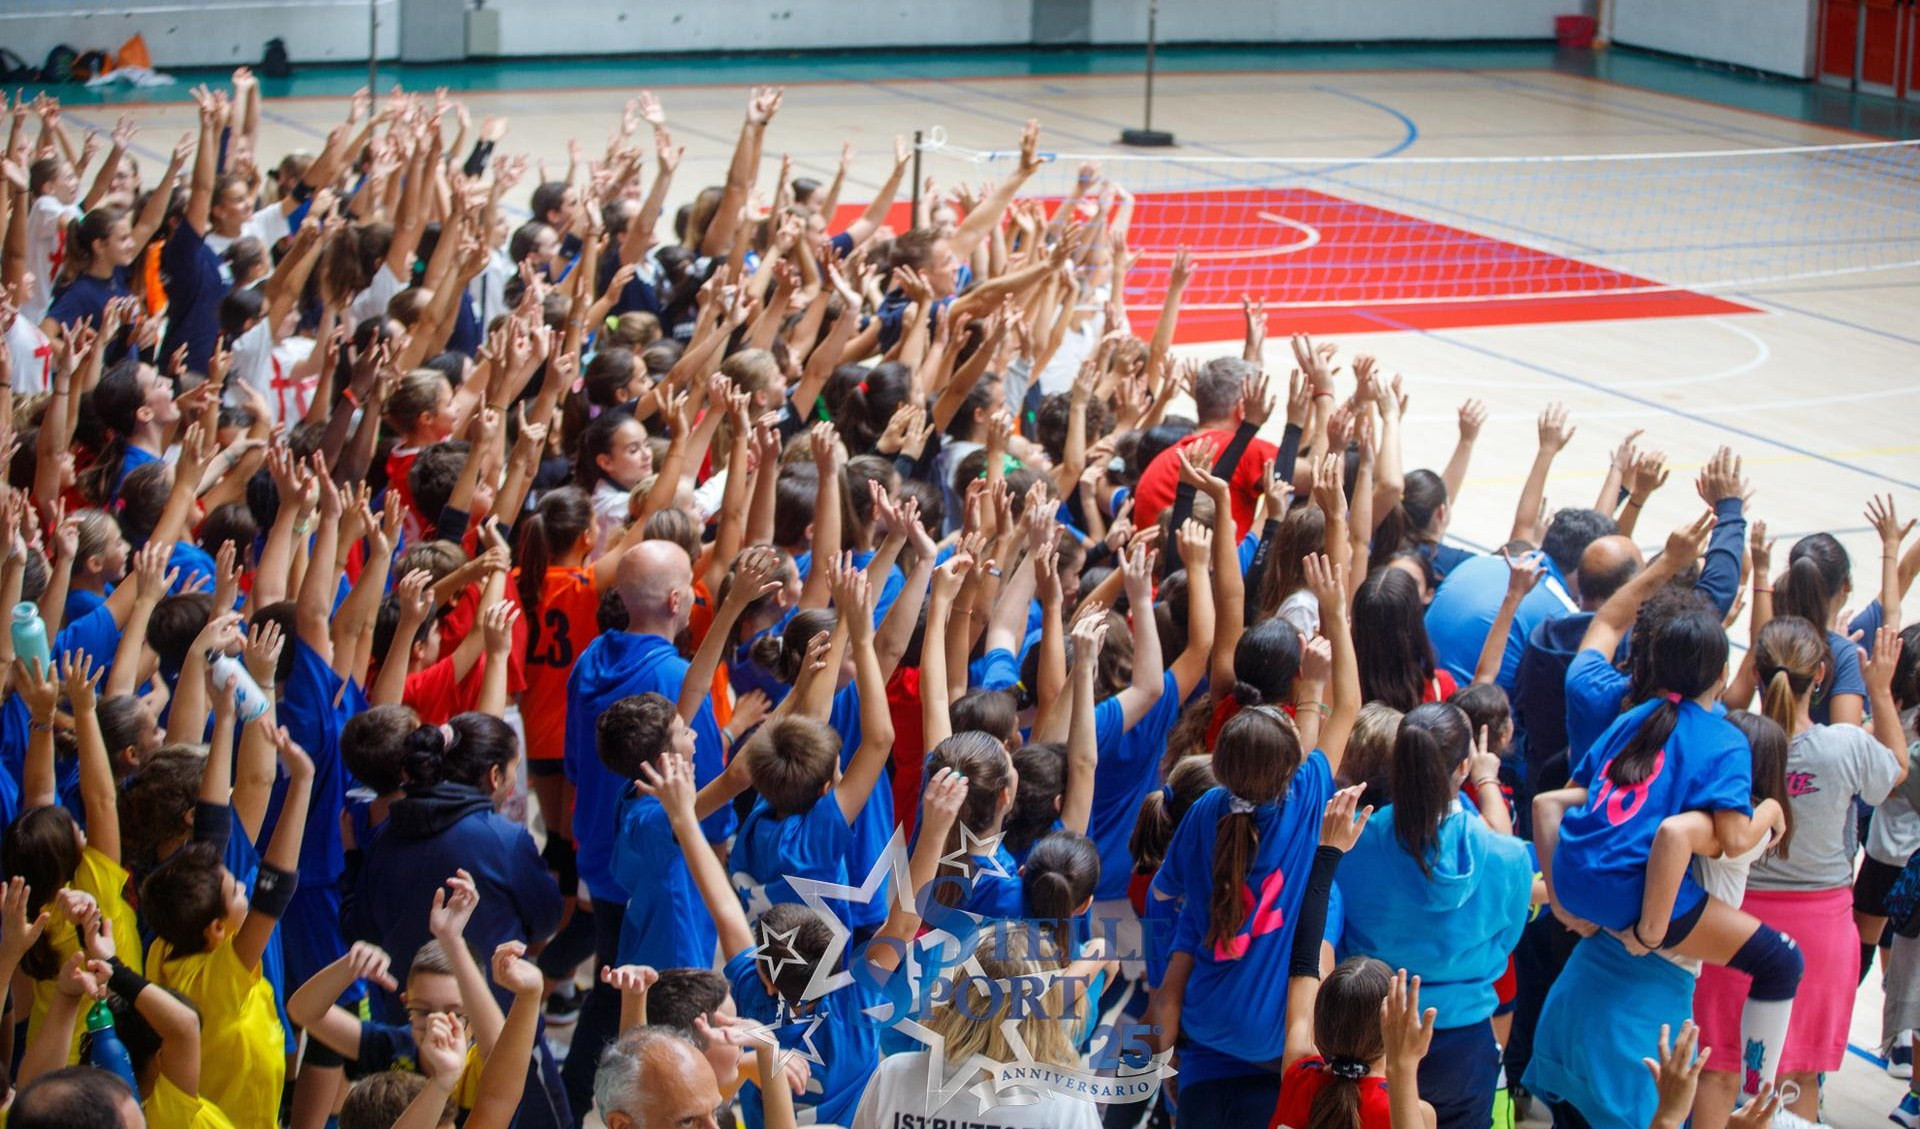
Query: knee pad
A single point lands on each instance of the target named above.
(1774, 962)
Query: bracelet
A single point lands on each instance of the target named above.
(1759, 590)
(1484, 781)
(302, 528)
(1635, 502)
(347, 395)
(1319, 394)
(1324, 709)
(37, 726)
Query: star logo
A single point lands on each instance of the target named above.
(817, 896)
(977, 847)
(771, 962)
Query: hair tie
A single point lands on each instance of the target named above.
(448, 736)
(1351, 1069)
(1238, 806)
(1672, 697)
(861, 388)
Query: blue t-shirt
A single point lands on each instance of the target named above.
(872, 826)
(194, 287)
(1600, 869)
(1236, 1002)
(1129, 768)
(132, 459)
(846, 1043)
(307, 710)
(1847, 676)
(670, 927)
(1595, 692)
(87, 297)
(995, 670)
(617, 665)
(1464, 608)
(770, 849)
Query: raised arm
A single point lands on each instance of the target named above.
(282, 859)
(1329, 584)
(1554, 432)
(672, 784)
(1615, 617)
(762, 104)
(98, 789)
(936, 723)
(503, 1079)
(313, 610)
(1473, 416)
(1083, 751)
(758, 574)
(1523, 576)
(1149, 670)
(876, 719)
(453, 906)
(981, 221)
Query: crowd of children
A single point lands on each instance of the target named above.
(484, 666)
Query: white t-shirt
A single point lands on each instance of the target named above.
(1894, 835)
(1725, 879)
(372, 302)
(32, 355)
(898, 1097)
(46, 251)
(269, 225)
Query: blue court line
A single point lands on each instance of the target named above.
(106, 131)
(1839, 321)
(291, 123)
(1413, 130)
(1875, 1059)
(1642, 401)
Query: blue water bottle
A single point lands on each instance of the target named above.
(104, 1048)
(30, 637)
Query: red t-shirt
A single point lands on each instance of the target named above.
(1159, 481)
(569, 616)
(1304, 1079)
(909, 744)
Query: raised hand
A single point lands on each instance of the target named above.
(1473, 417)
(630, 979)
(1676, 1073)
(671, 783)
(443, 1055)
(1408, 1030)
(1720, 479)
(453, 906)
(17, 933)
(371, 963)
(1524, 572)
(1886, 522)
(1554, 430)
(1686, 543)
(1344, 819)
(515, 973)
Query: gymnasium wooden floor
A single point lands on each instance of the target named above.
(1811, 381)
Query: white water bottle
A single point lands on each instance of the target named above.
(247, 695)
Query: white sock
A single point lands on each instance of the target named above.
(1763, 1034)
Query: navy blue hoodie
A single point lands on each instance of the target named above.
(429, 834)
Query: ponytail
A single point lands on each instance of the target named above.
(533, 576)
(1347, 1033)
(1434, 738)
(563, 516)
(463, 751)
(1161, 812)
(1061, 873)
(1254, 758)
(1803, 592)
(1786, 658)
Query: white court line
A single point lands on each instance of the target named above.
(1762, 353)
(1312, 239)
(1725, 409)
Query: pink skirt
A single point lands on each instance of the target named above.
(1821, 924)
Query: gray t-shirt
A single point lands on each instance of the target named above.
(1827, 766)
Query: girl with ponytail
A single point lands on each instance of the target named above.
(456, 776)
(1809, 891)
(1239, 863)
(1670, 754)
(1818, 580)
(559, 592)
(1431, 888)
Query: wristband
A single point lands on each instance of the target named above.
(347, 395)
(38, 726)
(273, 890)
(123, 981)
(1310, 923)
(1318, 394)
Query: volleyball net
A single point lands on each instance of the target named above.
(1425, 242)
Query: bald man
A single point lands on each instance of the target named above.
(655, 1078)
(76, 1097)
(654, 581)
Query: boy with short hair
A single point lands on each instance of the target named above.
(443, 979)
(209, 940)
(802, 824)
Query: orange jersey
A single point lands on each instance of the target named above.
(568, 619)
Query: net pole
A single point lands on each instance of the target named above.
(919, 138)
(1147, 136)
(373, 47)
